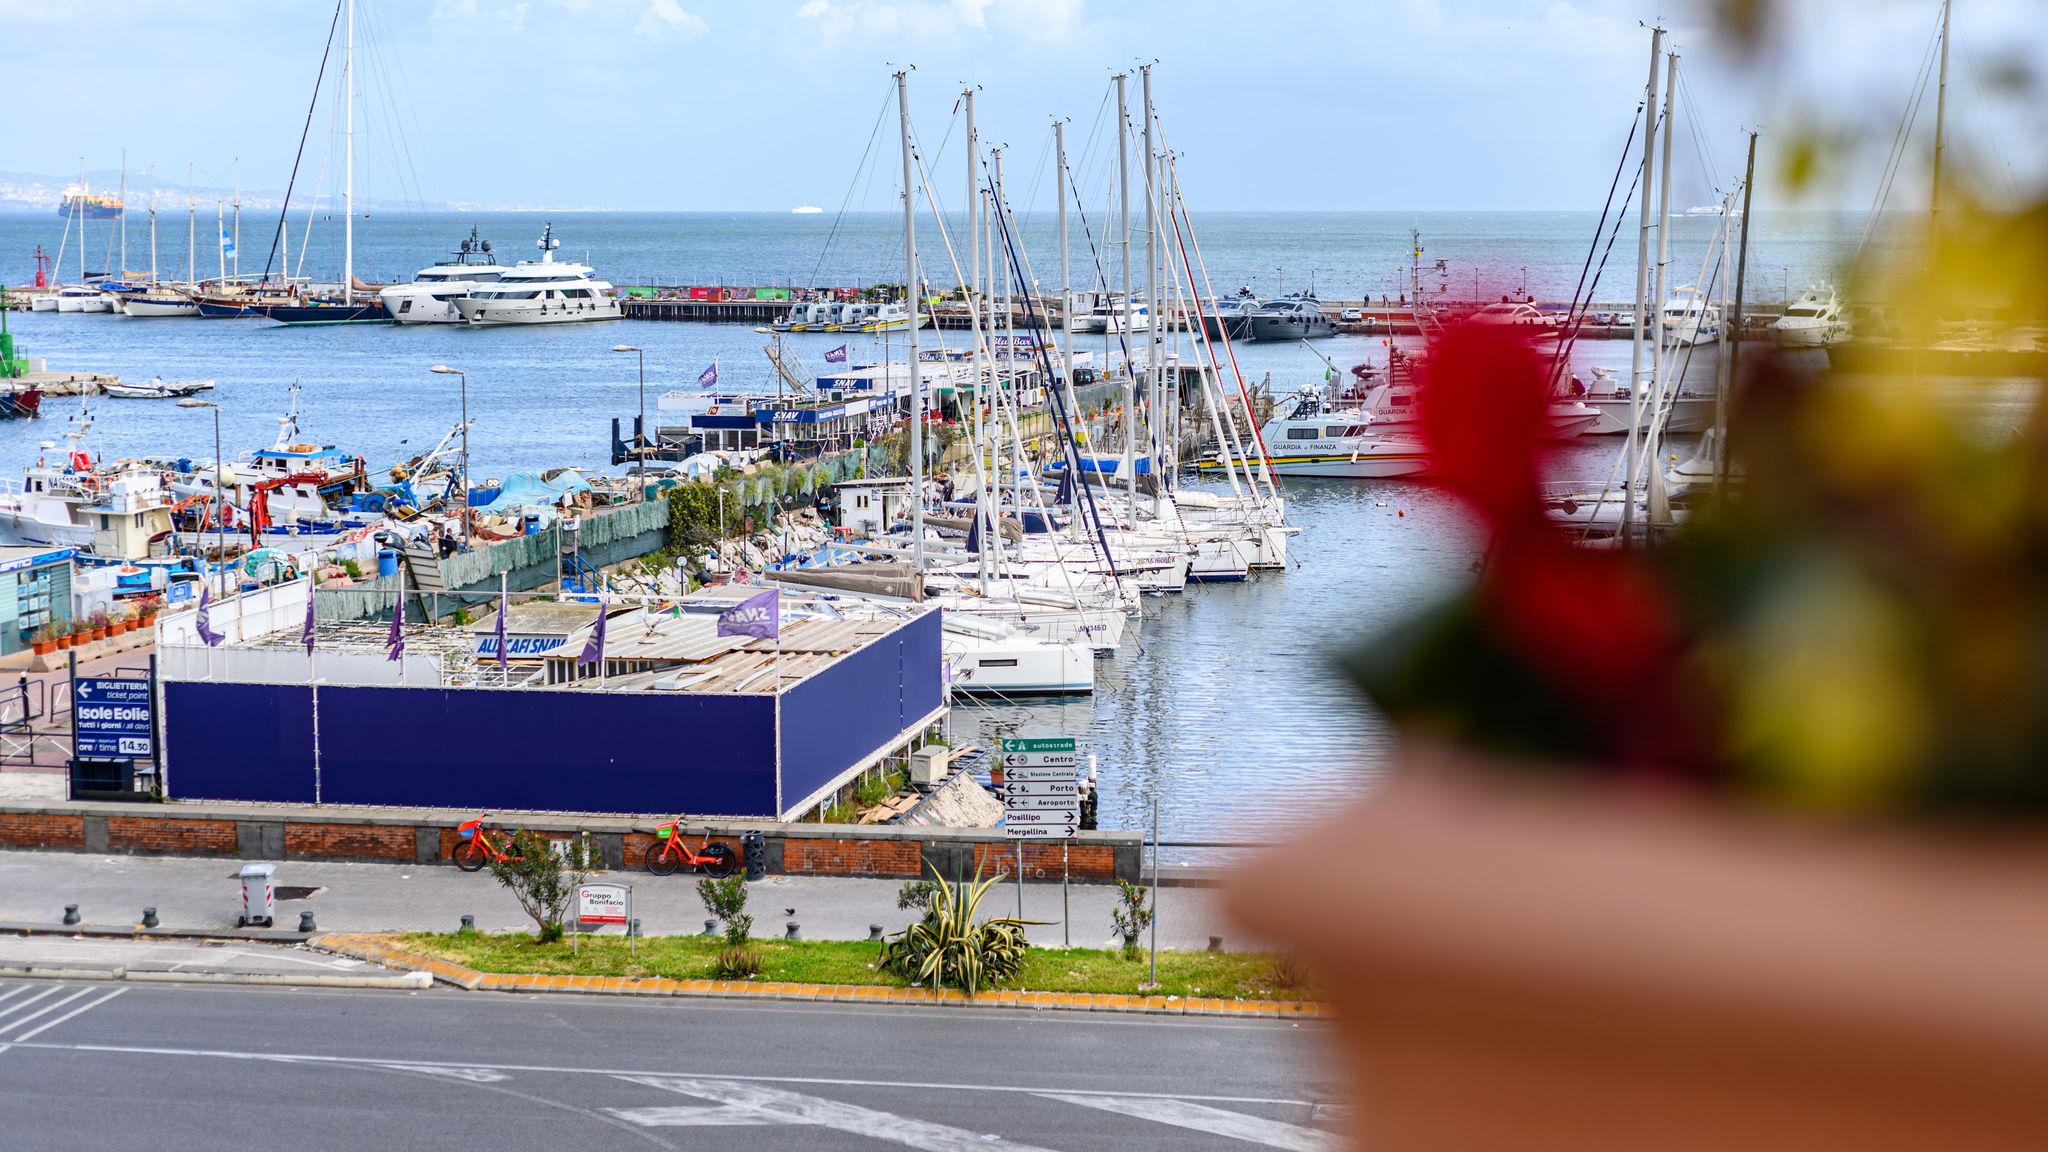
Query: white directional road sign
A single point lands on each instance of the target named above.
(1041, 787)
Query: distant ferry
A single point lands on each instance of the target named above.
(806, 209)
(93, 206)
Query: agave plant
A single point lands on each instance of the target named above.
(949, 947)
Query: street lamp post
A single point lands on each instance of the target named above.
(444, 370)
(219, 492)
(640, 433)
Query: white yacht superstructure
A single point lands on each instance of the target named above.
(1816, 320)
(1689, 318)
(542, 291)
(430, 297)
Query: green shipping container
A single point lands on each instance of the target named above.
(771, 293)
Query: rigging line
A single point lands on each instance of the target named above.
(1058, 395)
(1896, 156)
(1102, 278)
(1564, 359)
(317, 80)
(1990, 122)
(1562, 350)
(1692, 124)
(327, 152)
(844, 201)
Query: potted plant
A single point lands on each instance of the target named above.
(97, 626)
(45, 640)
(1731, 842)
(63, 636)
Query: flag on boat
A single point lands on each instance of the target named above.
(306, 635)
(204, 625)
(836, 356)
(709, 377)
(227, 243)
(593, 651)
(759, 616)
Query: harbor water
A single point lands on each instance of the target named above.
(1223, 706)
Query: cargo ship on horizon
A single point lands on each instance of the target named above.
(79, 201)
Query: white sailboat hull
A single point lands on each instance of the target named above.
(1688, 414)
(159, 309)
(1016, 666)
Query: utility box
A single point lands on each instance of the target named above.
(928, 765)
(259, 897)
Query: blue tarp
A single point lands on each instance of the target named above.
(527, 489)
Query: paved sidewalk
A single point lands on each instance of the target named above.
(187, 957)
(359, 897)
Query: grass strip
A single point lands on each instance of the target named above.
(1225, 975)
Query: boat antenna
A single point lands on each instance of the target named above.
(318, 78)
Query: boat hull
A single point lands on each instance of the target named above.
(159, 309)
(43, 304)
(309, 315)
(486, 312)
(1377, 463)
(1311, 327)
(1688, 414)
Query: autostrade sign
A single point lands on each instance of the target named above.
(113, 717)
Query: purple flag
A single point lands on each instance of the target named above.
(306, 637)
(203, 624)
(709, 377)
(836, 356)
(395, 643)
(504, 607)
(593, 652)
(759, 616)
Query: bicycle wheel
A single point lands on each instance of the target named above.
(717, 861)
(659, 862)
(469, 856)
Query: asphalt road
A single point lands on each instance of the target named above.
(94, 1066)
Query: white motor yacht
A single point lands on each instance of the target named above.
(430, 297)
(1522, 317)
(1818, 319)
(541, 292)
(1394, 408)
(990, 658)
(1310, 438)
(83, 298)
(1689, 319)
(1689, 411)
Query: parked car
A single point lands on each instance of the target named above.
(1351, 316)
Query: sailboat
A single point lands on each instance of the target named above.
(359, 303)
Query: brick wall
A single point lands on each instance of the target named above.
(851, 857)
(35, 830)
(1042, 860)
(357, 841)
(160, 834)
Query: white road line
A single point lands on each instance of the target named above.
(1215, 1121)
(68, 1015)
(18, 1005)
(795, 1108)
(556, 1069)
(20, 1020)
(676, 1116)
(471, 1075)
(11, 993)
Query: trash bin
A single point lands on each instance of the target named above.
(754, 849)
(387, 562)
(259, 898)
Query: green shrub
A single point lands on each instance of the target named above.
(736, 962)
(726, 899)
(543, 879)
(1133, 917)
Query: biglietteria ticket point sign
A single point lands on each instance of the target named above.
(1041, 788)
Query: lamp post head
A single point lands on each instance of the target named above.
(624, 348)
(445, 370)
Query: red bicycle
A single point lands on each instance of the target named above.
(668, 853)
(479, 846)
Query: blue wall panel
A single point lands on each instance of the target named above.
(477, 748)
(240, 741)
(843, 714)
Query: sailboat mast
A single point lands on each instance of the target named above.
(1653, 481)
(1635, 366)
(152, 225)
(219, 249)
(975, 305)
(191, 228)
(348, 164)
(916, 369)
(238, 218)
(1735, 322)
(78, 213)
(124, 213)
(1123, 187)
(1059, 146)
(1153, 342)
(1940, 136)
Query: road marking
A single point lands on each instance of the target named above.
(784, 1107)
(472, 1075)
(677, 1116)
(824, 1081)
(68, 1015)
(47, 1008)
(20, 1004)
(11, 993)
(1202, 1118)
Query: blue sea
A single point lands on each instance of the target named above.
(1224, 709)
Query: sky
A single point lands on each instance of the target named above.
(765, 104)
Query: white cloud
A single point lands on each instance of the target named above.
(669, 15)
(813, 8)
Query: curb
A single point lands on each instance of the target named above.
(164, 976)
(379, 951)
(138, 932)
